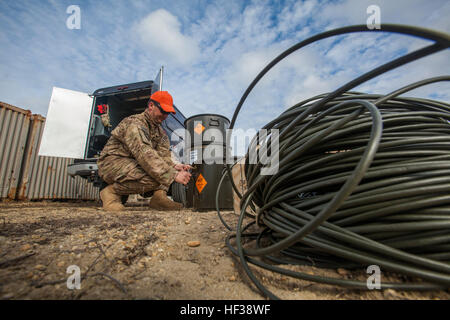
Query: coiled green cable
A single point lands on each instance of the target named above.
(363, 179)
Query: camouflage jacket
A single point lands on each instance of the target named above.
(140, 138)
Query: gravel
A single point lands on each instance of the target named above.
(142, 254)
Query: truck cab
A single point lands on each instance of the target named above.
(78, 125)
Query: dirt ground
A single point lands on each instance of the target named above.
(141, 254)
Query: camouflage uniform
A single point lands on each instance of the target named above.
(137, 157)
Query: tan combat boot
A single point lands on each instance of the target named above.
(111, 200)
(159, 201)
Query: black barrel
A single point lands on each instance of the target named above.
(205, 129)
(204, 187)
(206, 151)
(201, 190)
(208, 154)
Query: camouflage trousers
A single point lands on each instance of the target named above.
(127, 176)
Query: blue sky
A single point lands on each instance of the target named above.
(211, 50)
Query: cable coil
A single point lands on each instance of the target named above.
(363, 179)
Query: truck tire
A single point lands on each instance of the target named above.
(179, 193)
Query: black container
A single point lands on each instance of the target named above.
(208, 154)
(207, 132)
(203, 188)
(205, 129)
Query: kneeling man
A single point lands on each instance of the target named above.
(137, 158)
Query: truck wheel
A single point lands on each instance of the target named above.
(179, 193)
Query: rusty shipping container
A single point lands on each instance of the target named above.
(14, 126)
(24, 174)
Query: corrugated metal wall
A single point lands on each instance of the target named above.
(14, 125)
(26, 176)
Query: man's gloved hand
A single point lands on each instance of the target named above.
(183, 177)
(183, 167)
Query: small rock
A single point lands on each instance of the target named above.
(232, 278)
(342, 272)
(193, 243)
(61, 264)
(148, 250)
(25, 247)
(74, 248)
(40, 267)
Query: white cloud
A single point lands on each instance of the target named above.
(298, 14)
(211, 51)
(160, 33)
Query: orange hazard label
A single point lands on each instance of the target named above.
(199, 128)
(200, 183)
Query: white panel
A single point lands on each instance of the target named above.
(66, 126)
